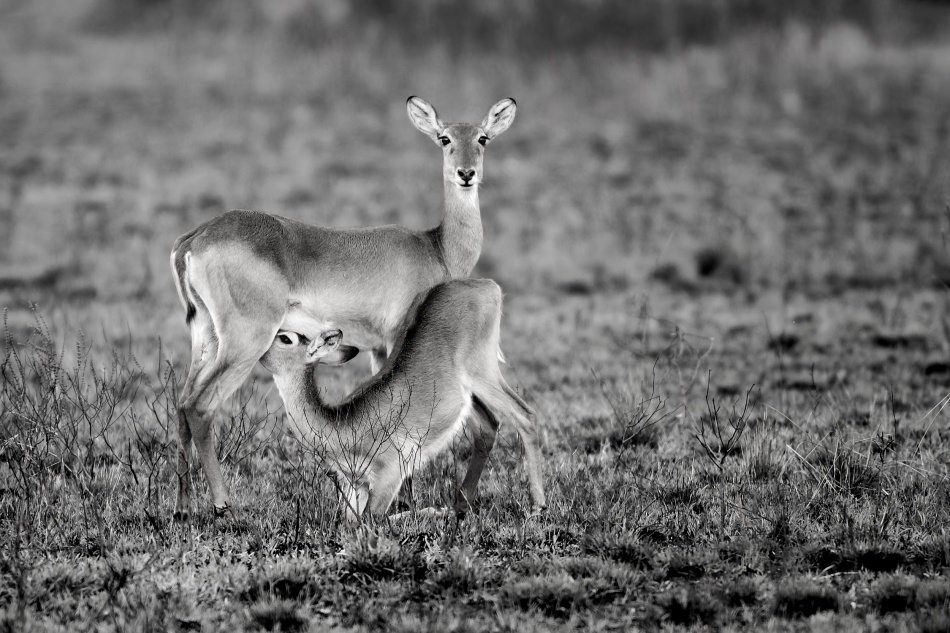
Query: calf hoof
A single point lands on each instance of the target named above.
(402, 507)
(181, 516)
(223, 512)
(427, 513)
(537, 511)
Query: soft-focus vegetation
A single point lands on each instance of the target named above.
(721, 229)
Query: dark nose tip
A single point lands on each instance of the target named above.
(466, 174)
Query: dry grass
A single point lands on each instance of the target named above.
(724, 272)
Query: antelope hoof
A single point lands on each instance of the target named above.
(181, 516)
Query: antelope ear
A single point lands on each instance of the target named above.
(499, 117)
(424, 117)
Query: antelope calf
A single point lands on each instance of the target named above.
(444, 369)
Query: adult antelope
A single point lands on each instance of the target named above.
(242, 276)
(445, 368)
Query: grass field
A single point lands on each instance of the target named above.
(726, 278)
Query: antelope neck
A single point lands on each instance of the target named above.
(460, 233)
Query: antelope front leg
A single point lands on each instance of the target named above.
(183, 502)
(217, 382)
(196, 427)
(202, 432)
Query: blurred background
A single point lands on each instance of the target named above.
(707, 215)
(738, 147)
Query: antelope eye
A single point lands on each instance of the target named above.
(444, 140)
(483, 140)
(286, 340)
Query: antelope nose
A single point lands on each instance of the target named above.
(466, 175)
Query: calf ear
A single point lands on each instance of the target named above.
(325, 344)
(342, 355)
(424, 117)
(499, 117)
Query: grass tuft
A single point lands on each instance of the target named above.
(803, 598)
(369, 556)
(895, 594)
(690, 605)
(637, 416)
(554, 596)
(279, 615)
(461, 574)
(283, 582)
(847, 470)
(933, 594)
(684, 567)
(621, 549)
(934, 621)
(741, 592)
(873, 559)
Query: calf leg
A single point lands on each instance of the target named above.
(503, 400)
(484, 427)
